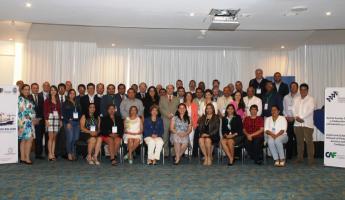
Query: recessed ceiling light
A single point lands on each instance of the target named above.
(200, 37)
(10, 39)
(328, 13)
(28, 5)
(203, 32)
(282, 47)
(113, 44)
(192, 14)
(290, 14)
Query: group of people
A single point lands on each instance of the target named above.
(268, 112)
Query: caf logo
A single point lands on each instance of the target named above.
(331, 154)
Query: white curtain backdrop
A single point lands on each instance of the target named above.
(58, 61)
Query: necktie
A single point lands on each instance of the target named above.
(170, 98)
(36, 101)
(61, 99)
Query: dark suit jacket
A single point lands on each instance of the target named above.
(39, 106)
(260, 85)
(138, 96)
(236, 125)
(283, 89)
(85, 102)
(272, 98)
(105, 102)
(118, 101)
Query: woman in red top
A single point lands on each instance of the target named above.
(52, 116)
(253, 129)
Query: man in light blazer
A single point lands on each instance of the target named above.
(167, 107)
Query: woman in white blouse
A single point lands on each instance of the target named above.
(275, 128)
(208, 99)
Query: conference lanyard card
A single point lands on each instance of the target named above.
(93, 128)
(266, 106)
(55, 113)
(258, 91)
(75, 115)
(114, 129)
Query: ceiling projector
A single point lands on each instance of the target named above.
(223, 19)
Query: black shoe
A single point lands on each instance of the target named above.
(27, 163)
(21, 161)
(230, 164)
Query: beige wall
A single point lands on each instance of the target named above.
(7, 62)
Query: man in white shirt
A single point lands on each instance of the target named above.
(291, 148)
(303, 111)
(199, 99)
(224, 101)
(251, 99)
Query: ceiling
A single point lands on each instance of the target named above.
(168, 23)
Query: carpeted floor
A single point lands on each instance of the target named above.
(77, 180)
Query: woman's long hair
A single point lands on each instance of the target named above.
(56, 96)
(241, 104)
(226, 110)
(87, 116)
(21, 91)
(185, 116)
(155, 98)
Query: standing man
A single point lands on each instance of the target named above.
(179, 83)
(45, 95)
(38, 101)
(130, 101)
(280, 87)
(250, 100)
(224, 101)
(168, 106)
(100, 90)
(68, 86)
(270, 98)
(303, 111)
(291, 148)
(198, 100)
(62, 92)
(142, 91)
(91, 97)
(239, 88)
(61, 137)
(119, 97)
(180, 94)
(259, 83)
(192, 87)
(108, 99)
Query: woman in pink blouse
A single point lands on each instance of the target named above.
(239, 104)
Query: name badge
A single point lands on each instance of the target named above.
(258, 91)
(75, 115)
(114, 129)
(55, 113)
(273, 130)
(290, 108)
(223, 111)
(93, 128)
(266, 106)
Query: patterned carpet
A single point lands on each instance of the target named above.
(77, 180)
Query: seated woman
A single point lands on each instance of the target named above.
(180, 127)
(253, 129)
(209, 132)
(90, 126)
(192, 109)
(275, 128)
(133, 136)
(153, 132)
(112, 131)
(231, 131)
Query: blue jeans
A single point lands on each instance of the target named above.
(72, 135)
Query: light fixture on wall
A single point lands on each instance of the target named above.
(28, 4)
(113, 44)
(192, 14)
(282, 47)
(328, 13)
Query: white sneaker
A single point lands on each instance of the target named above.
(130, 162)
(125, 157)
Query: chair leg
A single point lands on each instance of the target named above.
(242, 155)
(163, 156)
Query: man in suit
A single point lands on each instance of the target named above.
(61, 137)
(45, 95)
(100, 90)
(108, 99)
(270, 98)
(279, 86)
(38, 100)
(168, 106)
(259, 83)
(179, 83)
(68, 86)
(239, 88)
(91, 97)
(119, 97)
(142, 91)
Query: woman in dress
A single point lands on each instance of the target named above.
(232, 131)
(192, 109)
(52, 116)
(112, 132)
(26, 133)
(240, 106)
(133, 136)
(71, 113)
(209, 132)
(180, 127)
(90, 127)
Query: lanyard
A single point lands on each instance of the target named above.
(92, 121)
